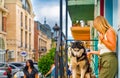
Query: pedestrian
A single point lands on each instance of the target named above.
(52, 71)
(30, 71)
(107, 47)
(69, 73)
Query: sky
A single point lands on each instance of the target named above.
(49, 10)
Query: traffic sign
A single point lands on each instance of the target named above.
(23, 53)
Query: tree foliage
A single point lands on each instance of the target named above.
(46, 61)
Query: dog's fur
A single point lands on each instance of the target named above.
(79, 60)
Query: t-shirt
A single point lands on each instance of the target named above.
(32, 74)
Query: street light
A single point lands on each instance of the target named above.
(56, 29)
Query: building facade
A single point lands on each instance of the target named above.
(42, 38)
(3, 20)
(20, 30)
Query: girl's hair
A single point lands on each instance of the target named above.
(31, 64)
(102, 23)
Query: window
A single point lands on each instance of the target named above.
(21, 37)
(21, 19)
(29, 24)
(26, 22)
(25, 39)
(29, 41)
(1, 24)
(12, 67)
(2, 44)
(26, 5)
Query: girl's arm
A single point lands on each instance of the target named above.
(24, 76)
(36, 75)
(49, 71)
(111, 40)
(93, 52)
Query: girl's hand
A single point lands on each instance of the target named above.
(45, 75)
(89, 53)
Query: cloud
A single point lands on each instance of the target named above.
(50, 11)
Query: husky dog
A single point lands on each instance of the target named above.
(79, 61)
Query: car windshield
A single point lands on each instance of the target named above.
(2, 65)
(17, 64)
(36, 66)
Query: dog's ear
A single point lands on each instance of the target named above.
(81, 43)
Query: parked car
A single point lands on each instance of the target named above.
(14, 68)
(5, 69)
(36, 66)
(3, 74)
(19, 74)
(18, 64)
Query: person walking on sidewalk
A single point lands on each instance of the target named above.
(30, 71)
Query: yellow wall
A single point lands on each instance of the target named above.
(14, 29)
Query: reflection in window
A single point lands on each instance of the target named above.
(25, 5)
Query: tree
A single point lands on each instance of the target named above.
(46, 61)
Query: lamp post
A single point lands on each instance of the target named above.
(56, 29)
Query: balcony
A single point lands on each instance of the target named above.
(81, 9)
(80, 33)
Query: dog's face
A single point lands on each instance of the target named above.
(77, 48)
